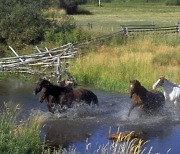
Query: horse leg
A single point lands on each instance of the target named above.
(62, 102)
(95, 101)
(51, 107)
(43, 95)
(176, 103)
(51, 103)
(131, 108)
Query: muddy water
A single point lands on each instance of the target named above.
(82, 125)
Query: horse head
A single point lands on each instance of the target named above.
(159, 82)
(41, 83)
(134, 87)
(137, 94)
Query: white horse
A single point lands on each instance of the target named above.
(171, 90)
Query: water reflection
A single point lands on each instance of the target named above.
(65, 132)
(79, 123)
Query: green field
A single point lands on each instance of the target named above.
(142, 57)
(117, 14)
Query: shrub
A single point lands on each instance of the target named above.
(70, 6)
(21, 22)
(173, 2)
(65, 32)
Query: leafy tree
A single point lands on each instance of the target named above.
(70, 6)
(173, 2)
(21, 21)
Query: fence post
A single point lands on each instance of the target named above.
(177, 28)
(99, 4)
(58, 67)
(125, 30)
(90, 26)
(112, 29)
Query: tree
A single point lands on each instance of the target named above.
(21, 21)
(70, 6)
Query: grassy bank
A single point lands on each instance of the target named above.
(19, 137)
(145, 58)
(22, 137)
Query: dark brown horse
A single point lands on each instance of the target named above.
(62, 95)
(149, 101)
(46, 88)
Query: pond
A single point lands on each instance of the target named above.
(83, 124)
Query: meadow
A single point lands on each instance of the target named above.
(119, 13)
(142, 57)
(109, 67)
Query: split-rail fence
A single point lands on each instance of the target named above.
(55, 62)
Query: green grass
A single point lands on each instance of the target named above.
(144, 58)
(164, 59)
(117, 14)
(20, 137)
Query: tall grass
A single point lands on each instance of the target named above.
(145, 58)
(19, 137)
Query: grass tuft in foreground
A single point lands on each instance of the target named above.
(20, 137)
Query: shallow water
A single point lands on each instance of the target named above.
(82, 124)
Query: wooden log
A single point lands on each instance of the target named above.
(15, 53)
(48, 52)
(42, 54)
(127, 136)
(38, 49)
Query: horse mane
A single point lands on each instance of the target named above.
(47, 84)
(173, 84)
(57, 87)
(141, 89)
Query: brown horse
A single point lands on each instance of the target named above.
(149, 101)
(62, 95)
(45, 88)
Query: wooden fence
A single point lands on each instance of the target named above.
(45, 62)
(55, 62)
(150, 28)
(138, 28)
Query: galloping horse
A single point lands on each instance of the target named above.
(62, 95)
(149, 101)
(171, 90)
(52, 94)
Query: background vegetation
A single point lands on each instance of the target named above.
(111, 66)
(144, 58)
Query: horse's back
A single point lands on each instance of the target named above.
(85, 95)
(156, 99)
(175, 94)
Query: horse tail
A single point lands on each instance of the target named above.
(95, 100)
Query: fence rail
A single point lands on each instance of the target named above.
(150, 28)
(54, 62)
